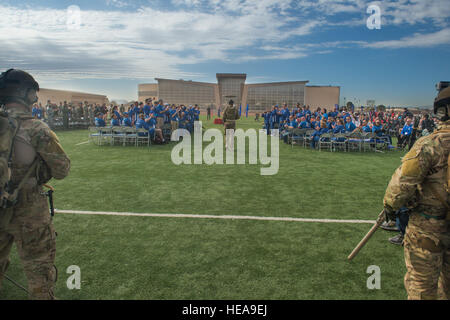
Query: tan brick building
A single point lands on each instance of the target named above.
(59, 96)
(259, 96)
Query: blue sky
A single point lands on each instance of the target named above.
(121, 43)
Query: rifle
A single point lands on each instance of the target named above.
(49, 194)
(381, 218)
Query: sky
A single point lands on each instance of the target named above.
(110, 46)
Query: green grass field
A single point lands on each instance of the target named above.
(179, 258)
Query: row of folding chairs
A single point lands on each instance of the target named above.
(350, 141)
(119, 136)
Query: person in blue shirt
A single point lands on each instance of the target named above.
(377, 128)
(173, 115)
(141, 123)
(274, 118)
(345, 115)
(150, 125)
(285, 112)
(339, 127)
(405, 133)
(330, 123)
(182, 119)
(196, 113)
(314, 122)
(266, 116)
(100, 121)
(349, 125)
(126, 121)
(365, 127)
(115, 122)
(115, 111)
(380, 131)
(147, 108)
(304, 124)
(316, 135)
(160, 111)
(134, 116)
(287, 126)
(34, 111)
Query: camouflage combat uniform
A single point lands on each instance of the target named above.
(30, 225)
(420, 183)
(230, 115)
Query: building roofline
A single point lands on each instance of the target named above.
(315, 86)
(185, 81)
(78, 92)
(277, 83)
(231, 75)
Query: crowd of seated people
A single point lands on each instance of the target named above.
(405, 126)
(152, 116)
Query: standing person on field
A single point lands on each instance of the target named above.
(230, 115)
(421, 184)
(35, 157)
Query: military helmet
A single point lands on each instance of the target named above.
(442, 104)
(18, 86)
(231, 102)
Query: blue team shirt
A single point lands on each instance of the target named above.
(147, 110)
(304, 125)
(99, 122)
(338, 129)
(407, 130)
(377, 130)
(350, 126)
(126, 122)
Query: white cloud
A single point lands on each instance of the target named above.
(142, 44)
(417, 40)
(117, 3)
(151, 43)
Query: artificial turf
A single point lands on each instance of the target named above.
(179, 258)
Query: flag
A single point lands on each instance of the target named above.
(246, 111)
(240, 110)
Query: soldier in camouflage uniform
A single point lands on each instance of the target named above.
(230, 115)
(421, 184)
(28, 222)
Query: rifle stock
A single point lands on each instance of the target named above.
(362, 243)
